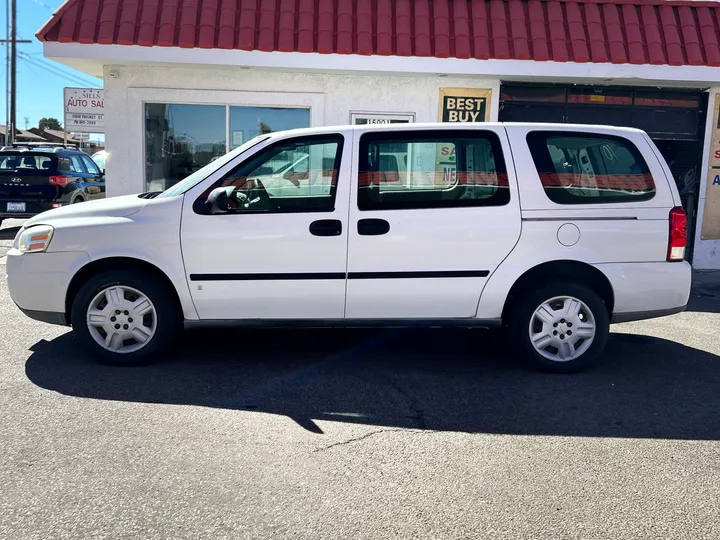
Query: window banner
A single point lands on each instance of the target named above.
(459, 105)
(711, 215)
(464, 105)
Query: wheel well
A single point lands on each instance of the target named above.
(115, 263)
(576, 271)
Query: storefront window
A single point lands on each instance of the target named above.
(179, 140)
(249, 122)
(182, 138)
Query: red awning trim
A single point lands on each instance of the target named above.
(589, 31)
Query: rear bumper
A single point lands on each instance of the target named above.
(643, 315)
(648, 290)
(38, 282)
(32, 208)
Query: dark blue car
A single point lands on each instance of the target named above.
(38, 178)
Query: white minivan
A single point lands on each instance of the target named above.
(549, 231)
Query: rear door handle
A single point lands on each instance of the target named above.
(326, 227)
(372, 227)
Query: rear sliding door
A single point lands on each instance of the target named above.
(433, 213)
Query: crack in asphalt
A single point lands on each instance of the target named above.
(418, 414)
(372, 434)
(354, 439)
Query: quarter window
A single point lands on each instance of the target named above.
(297, 175)
(90, 165)
(580, 168)
(75, 164)
(438, 169)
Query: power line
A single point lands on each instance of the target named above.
(58, 68)
(70, 77)
(64, 75)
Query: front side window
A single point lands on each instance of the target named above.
(437, 169)
(582, 168)
(297, 175)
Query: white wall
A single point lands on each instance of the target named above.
(706, 253)
(331, 98)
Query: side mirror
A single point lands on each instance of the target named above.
(217, 202)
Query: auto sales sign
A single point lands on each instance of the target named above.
(84, 110)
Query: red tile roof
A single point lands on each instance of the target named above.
(618, 31)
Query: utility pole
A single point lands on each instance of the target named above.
(13, 70)
(13, 41)
(7, 72)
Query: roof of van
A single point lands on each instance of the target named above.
(456, 126)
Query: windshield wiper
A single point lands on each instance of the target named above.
(149, 194)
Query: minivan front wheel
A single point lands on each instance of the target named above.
(124, 318)
(562, 327)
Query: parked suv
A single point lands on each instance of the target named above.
(37, 178)
(550, 231)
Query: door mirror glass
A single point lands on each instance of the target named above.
(217, 202)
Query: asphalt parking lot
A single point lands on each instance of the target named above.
(361, 434)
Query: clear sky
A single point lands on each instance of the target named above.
(40, 81)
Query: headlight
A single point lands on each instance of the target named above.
(34, 239)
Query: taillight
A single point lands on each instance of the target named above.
(678, 235)
(59, 180)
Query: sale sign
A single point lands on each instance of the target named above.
(84, 110)
(711, 216)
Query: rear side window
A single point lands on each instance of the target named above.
(434, 169)
(582, 168)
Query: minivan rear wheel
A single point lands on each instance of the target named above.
(125, 318)
(560, 327)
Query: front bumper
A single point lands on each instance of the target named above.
(49, 317)
(38, 282)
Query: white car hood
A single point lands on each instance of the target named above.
(111, 207)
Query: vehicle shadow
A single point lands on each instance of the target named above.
(8, 233)
(448, 380)
(705, 293)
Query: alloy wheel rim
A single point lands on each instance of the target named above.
(562, 328)
(121, 319)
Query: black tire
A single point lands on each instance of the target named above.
(523, 311)
(167, 323)
(78, 200)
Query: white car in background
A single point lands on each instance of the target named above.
(100, 158)
(551, 231)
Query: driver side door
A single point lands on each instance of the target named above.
(275, 247)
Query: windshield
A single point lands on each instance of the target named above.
(201, 174)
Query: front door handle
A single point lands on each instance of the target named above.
(372, 227)
(326, 227)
